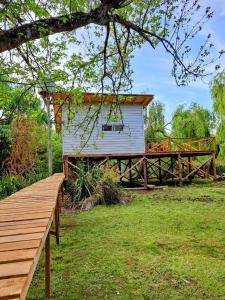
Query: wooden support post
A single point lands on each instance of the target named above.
(66, 167)
(130, 172)
(189, 169)
(120, 168)
(145, 173)
(189, 164)
(214, 165)
(172, 167)
(47, 267)
(180, 171)
(160, 171)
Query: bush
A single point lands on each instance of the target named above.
(57, 153)
(89, 185)
(11, 184)
(220, 168)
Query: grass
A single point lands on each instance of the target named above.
(167, 244)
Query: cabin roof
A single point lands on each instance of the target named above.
(61, 98)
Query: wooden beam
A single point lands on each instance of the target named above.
(157, 165)
(160, 171)
(214, 166)
(126, 171)
(180, 171)
(130, 172)
(145, 173)
(197, 169)
(66, 167)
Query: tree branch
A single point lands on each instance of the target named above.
(15, 37)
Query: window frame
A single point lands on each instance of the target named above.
(112, 127)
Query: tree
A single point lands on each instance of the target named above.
(155, 122)
(192, 122)
(34, 49)
(40, 42)
(19, 101)
(17, 105)
(218, 95)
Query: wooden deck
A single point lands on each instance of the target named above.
(25, 221)
(163, 160)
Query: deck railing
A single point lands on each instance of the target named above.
(167, 145)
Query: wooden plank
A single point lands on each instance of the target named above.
(25, 217)
(25, 208)
(20, 226)
(31, 202)
(32, 198)
(14, 223)
(21, 231)
(22, 237)
(15, 269)
(23, 204)
(20, 245)
(11, 287)
(17, 212)
(17, 255)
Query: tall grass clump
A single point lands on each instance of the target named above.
(91, 184)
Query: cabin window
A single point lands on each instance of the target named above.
(118, 127)
(108, 127)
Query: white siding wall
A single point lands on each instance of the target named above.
(130, 140)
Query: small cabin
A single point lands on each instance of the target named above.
(99, 124)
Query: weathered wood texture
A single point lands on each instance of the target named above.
(25, 221)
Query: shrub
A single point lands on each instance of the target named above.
(10, 184)
(89, 185)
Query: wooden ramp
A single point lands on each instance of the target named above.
(25, 221)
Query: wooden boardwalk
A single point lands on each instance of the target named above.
(25, 221)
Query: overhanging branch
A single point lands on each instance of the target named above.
(15, 37)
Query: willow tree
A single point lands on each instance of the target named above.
(192, 122)
(218, 95)
(155, 122)
(89, 44)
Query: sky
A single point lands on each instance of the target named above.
(152, 68)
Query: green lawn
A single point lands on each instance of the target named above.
(163, 245)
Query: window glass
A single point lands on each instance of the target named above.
(118, 127)
(106, 127)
